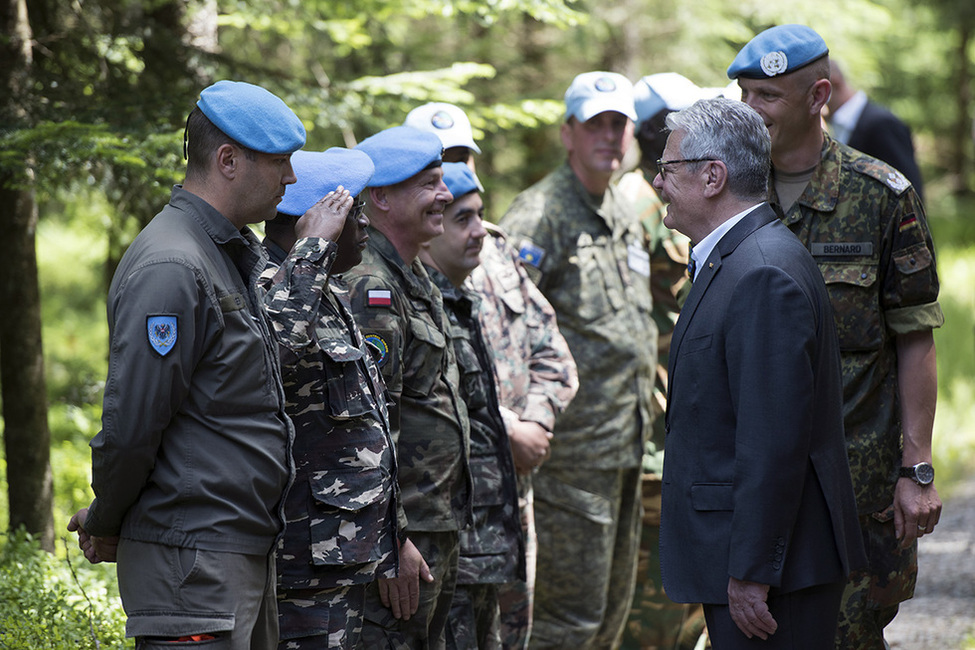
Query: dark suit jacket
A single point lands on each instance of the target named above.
(879, 133)
(756, 483)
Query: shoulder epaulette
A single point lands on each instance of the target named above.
(495, 230)
(882, 172)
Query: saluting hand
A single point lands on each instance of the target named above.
(327, 217)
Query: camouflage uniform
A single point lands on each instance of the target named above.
(344, 461)
(866, 228)
(401, 314)
(536, 378)
(655, 621)
(589, 257)
(492, 550)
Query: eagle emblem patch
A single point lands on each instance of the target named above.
(162, 333)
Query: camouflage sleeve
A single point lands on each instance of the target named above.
(532, 237)
(292, 294)
(910, 285)
(554, 379)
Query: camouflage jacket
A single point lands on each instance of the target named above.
(400, 312)
(341, 516)
(492, 550)
(536, 374)
(589, 257)
(865, 226)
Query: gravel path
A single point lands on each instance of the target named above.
(941, 616)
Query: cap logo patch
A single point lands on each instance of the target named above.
(162, 333)
(441, 120)
(605, 85)
(775, 63)
(379, 348)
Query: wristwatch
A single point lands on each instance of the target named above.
(922, 473)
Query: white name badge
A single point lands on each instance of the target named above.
(638, 259)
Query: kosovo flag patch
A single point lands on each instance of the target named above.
(162, 333)
(531, 254)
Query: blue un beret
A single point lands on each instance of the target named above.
(400, 152)
(321, 172)
(252, 116)
(778, 50)
(460, 180)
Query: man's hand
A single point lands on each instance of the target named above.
(96, 549)
(529, 445)
(749, 610)
(326, 218)
(917, 510)
(402, 593)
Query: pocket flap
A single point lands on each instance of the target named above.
(713, 496)
(348, 489)
(424, 331)
(859, 275)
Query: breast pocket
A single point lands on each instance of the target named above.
(423, 360)
(854, 295)
(589, 268)
(471, 377)
(347, 389)
(350, 509)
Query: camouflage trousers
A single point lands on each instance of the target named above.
(475, 620)
(320, 618)
(872, 595)
(656, 622)
(516, 598)
(426, 628)
(588, 525)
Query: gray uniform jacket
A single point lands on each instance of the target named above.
(195, 447)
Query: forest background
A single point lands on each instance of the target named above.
(93, 98)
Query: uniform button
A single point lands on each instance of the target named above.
(863, 276)
(913, 261)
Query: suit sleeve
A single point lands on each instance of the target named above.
(771, 347)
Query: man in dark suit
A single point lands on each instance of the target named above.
(759, 519)
(870, 128)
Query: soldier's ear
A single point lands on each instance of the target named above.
(379, 197)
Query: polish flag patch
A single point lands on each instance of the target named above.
(378, 298)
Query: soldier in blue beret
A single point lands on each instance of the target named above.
(492, 551)
(401, 314)
(864, 224)
(337, 401)
(194, 457)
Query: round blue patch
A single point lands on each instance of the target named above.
(380, 349)
(441, 120)
(605, 85)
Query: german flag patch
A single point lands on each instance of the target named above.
(908, 223)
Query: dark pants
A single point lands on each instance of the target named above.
(806, 621)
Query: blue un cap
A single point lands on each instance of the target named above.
(778, 50)
(592, 93)
(400, 152)
(321, 172)
(460, 180)
(252, 116)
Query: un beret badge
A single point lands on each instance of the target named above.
(774, 63)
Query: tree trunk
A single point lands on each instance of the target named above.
(962, 141)
(27, 439)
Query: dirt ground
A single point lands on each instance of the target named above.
(941, 616)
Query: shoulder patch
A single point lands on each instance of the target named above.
(162, 332)
(531, 254)
(379, 298)
(379, 348)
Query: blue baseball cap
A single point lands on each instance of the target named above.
(253, 116)
(776, 51)
(665, 90)
(321, 172)
(592, 93)
(460, 180)
(400, 152)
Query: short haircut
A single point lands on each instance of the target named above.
(732, 132)
(202, 139)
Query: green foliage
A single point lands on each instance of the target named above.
(48, 604)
